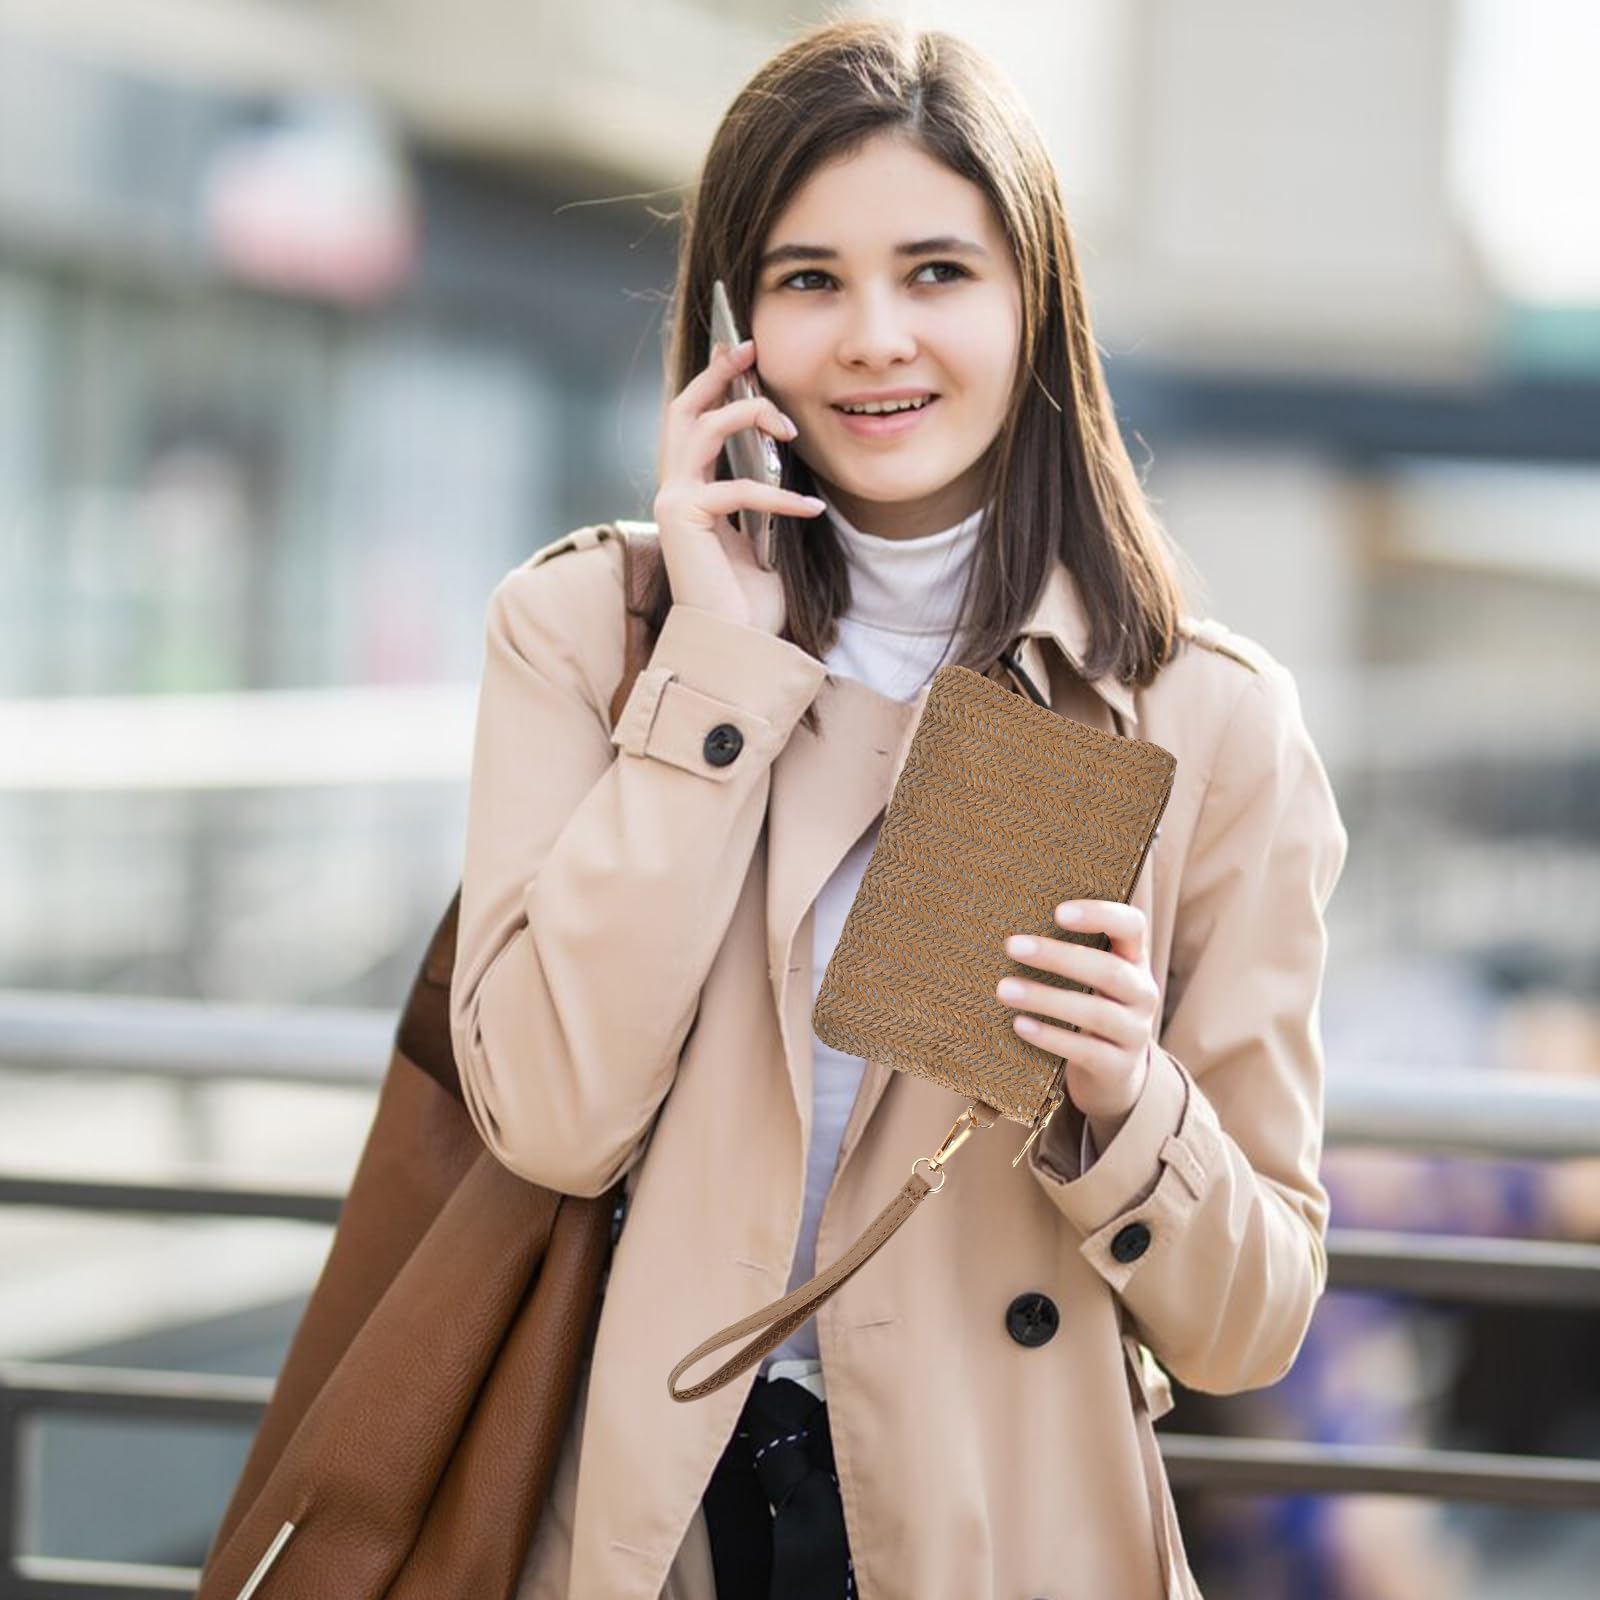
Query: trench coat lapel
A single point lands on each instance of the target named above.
(827, 787)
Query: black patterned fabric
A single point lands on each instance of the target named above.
(772, 1507)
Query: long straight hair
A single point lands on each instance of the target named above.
(1059, 483)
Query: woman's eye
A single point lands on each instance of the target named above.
(927, 266)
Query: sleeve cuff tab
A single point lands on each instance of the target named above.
(632, 732)
(1177, 1154)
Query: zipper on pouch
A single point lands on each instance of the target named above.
(1052, 1100)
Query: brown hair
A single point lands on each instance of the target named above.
(1060, 482)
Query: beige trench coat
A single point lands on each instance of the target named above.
(632, 996)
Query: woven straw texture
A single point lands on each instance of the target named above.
(1002, 810)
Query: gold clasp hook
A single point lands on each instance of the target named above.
(972, 1118)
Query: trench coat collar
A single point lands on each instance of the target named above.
(1059, 615)
(828, 787)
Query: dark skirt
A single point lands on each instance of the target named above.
(772, 1507)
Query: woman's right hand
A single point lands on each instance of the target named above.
(710, 562)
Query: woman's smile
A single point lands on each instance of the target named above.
(887, 424)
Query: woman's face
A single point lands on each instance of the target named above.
(845, 314)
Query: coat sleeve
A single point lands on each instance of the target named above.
(1205, 1211)
(602, 868)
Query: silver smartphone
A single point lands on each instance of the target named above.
(751, 452)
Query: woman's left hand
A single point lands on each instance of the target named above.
(1109, 1060)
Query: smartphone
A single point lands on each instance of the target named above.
(751, 452)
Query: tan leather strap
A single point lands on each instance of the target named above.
(641, 555)
(774, 1323)
(782, 1317)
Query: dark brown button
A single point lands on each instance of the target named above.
(723, 743)
(1032, 1319)
(1131, 1242)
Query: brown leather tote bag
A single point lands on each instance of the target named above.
(414, 1428)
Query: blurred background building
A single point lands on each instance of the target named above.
(318, 315)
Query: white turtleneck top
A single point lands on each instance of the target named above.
(905, 595)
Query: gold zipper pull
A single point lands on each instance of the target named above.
(1039, 1127)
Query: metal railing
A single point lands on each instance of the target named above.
(1482, 1114)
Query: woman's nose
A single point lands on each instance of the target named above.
(877, 331)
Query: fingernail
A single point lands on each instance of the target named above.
(789, 424)
(1068, 912)
(813, 500)
(1020, 945)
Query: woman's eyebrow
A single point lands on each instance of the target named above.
(944, 244)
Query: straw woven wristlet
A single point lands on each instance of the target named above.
(1002, 809)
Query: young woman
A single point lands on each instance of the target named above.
(647, 910)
